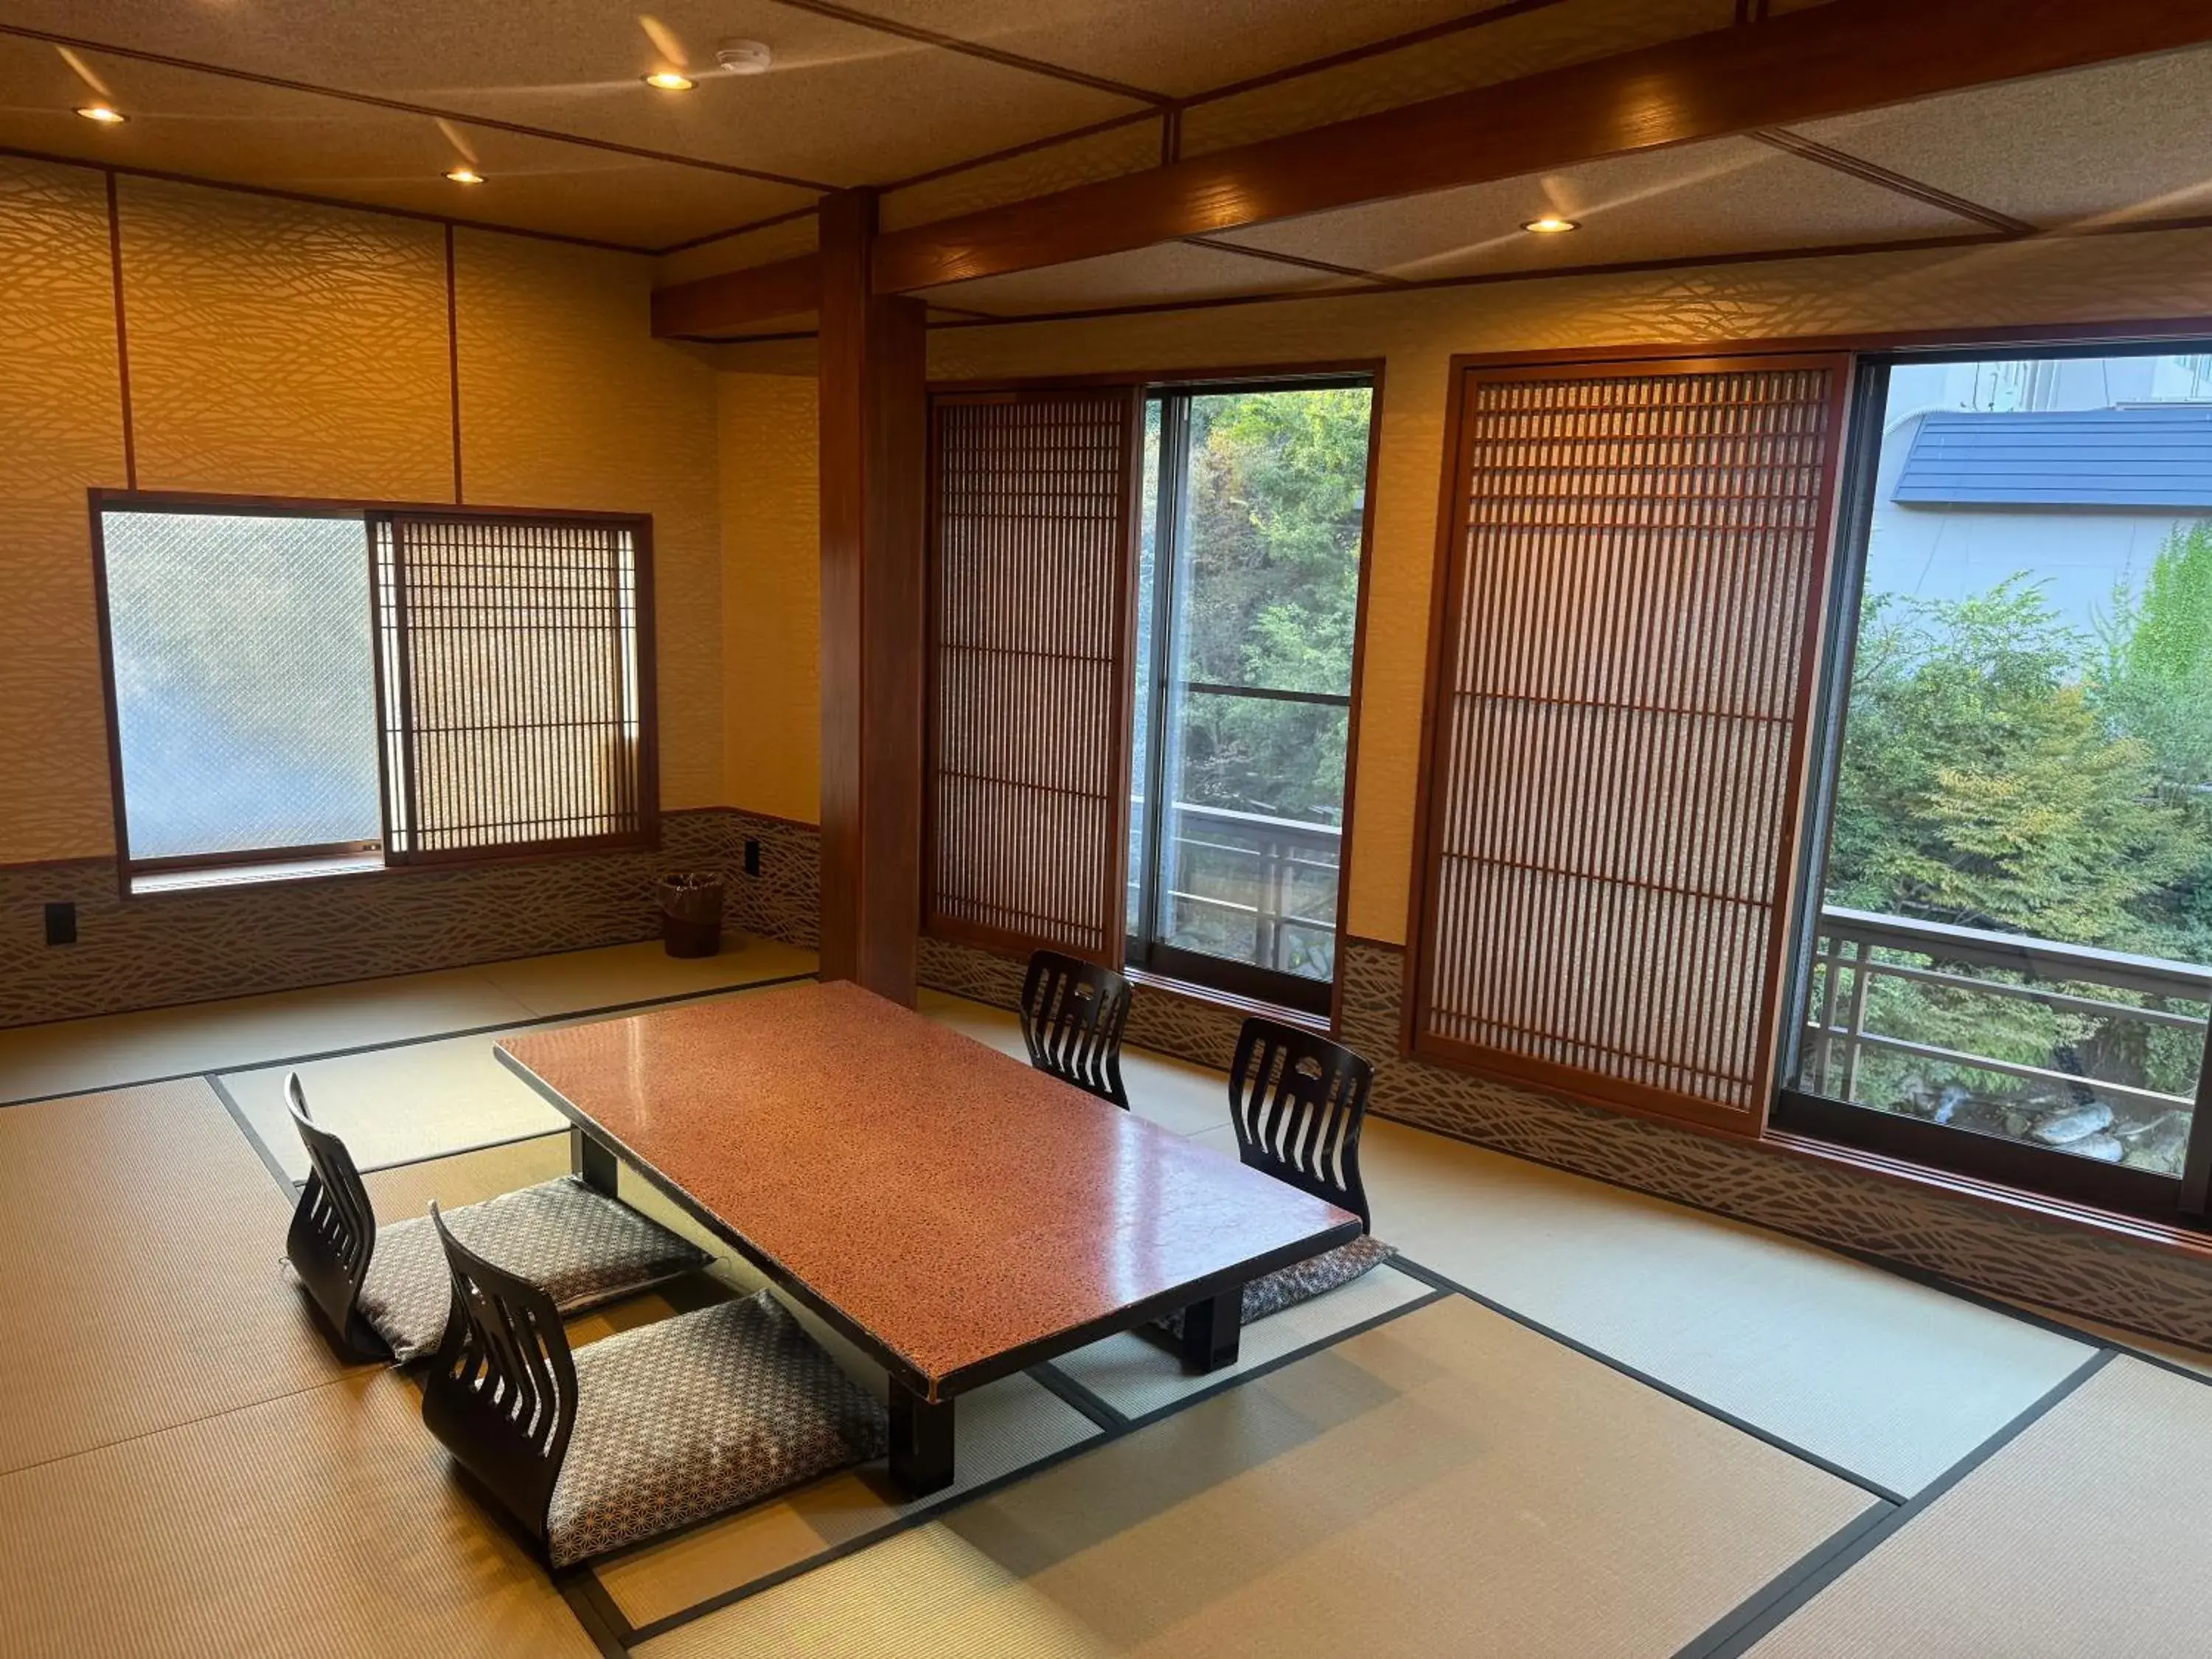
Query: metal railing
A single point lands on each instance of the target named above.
(1855, 949)
(1257, 867)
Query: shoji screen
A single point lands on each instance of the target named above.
(515, 667)
(1630, 598)
(1032, 505)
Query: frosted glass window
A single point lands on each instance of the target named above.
(245, 688)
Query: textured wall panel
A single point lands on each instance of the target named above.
(771, 595)
(283, 350)
(2165, 275)
(221, 942)
(568, 401)
(61, 429)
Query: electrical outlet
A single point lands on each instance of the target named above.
(61, 924)
(752, 857)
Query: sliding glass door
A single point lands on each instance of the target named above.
(2009, 961)
(1255, 501)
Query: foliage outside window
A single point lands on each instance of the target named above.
(2029, 761)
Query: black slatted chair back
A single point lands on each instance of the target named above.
(1072, 1014)
(1298, 1101)
(333, 1231)
(502, 1393)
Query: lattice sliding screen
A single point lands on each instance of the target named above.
(1030, 688)
(1630, 605)
(516, 682)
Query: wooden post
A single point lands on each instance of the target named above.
(873, 419)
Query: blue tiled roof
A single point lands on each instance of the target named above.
(2122, 457)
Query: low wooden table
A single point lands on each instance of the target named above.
(956, 1214)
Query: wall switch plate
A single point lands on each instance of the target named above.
(61, 924)
(752, 857)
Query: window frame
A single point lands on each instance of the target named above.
(100, 500)
(2182, 1201)
(1142, 953)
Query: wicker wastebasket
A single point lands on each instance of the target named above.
(692, 912)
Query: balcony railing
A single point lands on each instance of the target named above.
(1239, 877)
(2100, 1014)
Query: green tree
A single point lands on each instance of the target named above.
(2157, 657)
(1276, 497)
(1982, 784)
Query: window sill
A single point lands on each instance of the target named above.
(1229, 1000)
(146, 883)
(2064, 1212)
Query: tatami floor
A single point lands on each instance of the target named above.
(1568, 1421)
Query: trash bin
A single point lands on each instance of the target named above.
(692, 912)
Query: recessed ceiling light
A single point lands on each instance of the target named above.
(104, 115)
(465, 176)
(670, 81)
(1550, 225)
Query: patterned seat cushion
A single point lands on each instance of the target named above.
(1302, 1281)
(691, 1416)
(580, 1247)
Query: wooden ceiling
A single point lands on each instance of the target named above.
(982, 120)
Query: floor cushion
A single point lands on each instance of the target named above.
(582, 1247)
(1303, 1280)
(691, 1416)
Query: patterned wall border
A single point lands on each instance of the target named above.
(2105, 1279)
(223, 942)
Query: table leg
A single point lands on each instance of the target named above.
(1209, 1329)
(592, 1163)
(921, 1441)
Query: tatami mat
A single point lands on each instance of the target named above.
(140, 1240)
(395, 1105)
(407, 1189)
(1172, 1092)
(1008, 1425)
(577, 981)
(115, 1049)
(1447, 1483)
(241, 1032)
(1137, 1376)
(326, 1522)
(2085, 1536)
(1893, 1380)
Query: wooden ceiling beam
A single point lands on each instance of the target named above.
(1827, 60)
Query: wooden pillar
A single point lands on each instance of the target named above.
(874, 425)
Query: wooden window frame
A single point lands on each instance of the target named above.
(100, 500)
(1286, 374)
(1222, 976)
(1569, 1082)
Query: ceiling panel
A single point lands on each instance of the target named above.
(787, 240)
(185, 122)
(1572, 31)
(1173, 46)
(1120, 149)
(2122, 141)
(843, 105)
(1732, 196)
(1172, 272)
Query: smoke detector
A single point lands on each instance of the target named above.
(743, 57)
